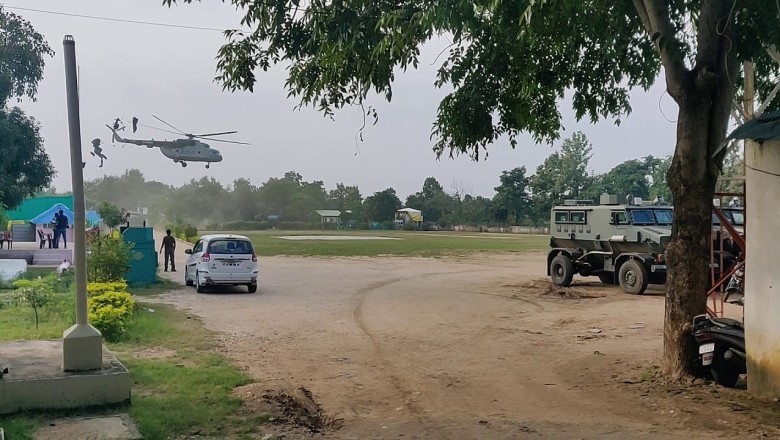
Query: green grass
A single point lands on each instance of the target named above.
(415, 244)
(17, 321)
(189, 389)
(180, 384)
(162, 285)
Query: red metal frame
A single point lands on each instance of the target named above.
(739, 239)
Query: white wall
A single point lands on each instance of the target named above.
(762, 279)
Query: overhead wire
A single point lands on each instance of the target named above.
(121, 20)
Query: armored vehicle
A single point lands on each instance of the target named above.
(619, 243)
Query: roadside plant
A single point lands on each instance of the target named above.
(35, 293)
(108, 259)
(111, 312)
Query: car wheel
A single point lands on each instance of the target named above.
(633, 277)
(252, 288)
(187, 280)
(561, 270)
(200, 288)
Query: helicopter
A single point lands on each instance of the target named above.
(181, 150)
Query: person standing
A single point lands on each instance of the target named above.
(61, 227)
(169, 244)
(55, 241)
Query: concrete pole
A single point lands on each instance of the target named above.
(82, 344)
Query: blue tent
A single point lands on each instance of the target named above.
(48, 215)
(93, 218)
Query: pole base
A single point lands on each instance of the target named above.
(82, 348)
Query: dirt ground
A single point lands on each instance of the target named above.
(476, 348)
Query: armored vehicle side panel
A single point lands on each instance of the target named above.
(599, 240)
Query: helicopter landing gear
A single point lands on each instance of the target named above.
(208, 166)
(184, 164)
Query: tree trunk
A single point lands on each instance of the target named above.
(688, 253)
(701, 128)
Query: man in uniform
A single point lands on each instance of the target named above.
(169, 244)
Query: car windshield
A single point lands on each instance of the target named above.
(230, 246)
(664, 216)
(642, 216)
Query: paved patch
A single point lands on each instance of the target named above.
(115, 427)
(336, 237)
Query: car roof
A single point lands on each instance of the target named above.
(211, 237)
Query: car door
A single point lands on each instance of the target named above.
(194, 258)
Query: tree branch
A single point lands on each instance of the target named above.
(768, 99)
(773, 53)
(655, 17)
(738, 113)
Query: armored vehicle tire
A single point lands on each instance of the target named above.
(633, 277)
(561, 270)
(607, 277)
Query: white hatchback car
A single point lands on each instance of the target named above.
(221, 260)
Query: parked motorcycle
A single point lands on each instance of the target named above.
(721, 341)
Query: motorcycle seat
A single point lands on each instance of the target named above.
(726, 322)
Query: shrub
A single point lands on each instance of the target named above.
(108, 259)
(36, 293)
(410, 226)
(110, 312)
(94, 289)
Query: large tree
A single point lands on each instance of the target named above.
(563, 175)
(512, 199)
(509, 65)
(25, 167)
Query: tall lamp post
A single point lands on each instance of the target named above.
(82, 344)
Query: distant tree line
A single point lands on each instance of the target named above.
(290, 201)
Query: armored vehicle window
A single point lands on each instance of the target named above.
(737, 218)
(664, 216)
(620, 216)
(642, 217)
(577, 216)
(561, 217)
(715, 220)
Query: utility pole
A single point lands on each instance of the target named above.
(82, 344)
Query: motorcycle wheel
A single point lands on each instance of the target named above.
(724, 372)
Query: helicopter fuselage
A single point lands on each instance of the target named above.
(197, 152)
(180, 150)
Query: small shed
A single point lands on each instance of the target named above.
(329, 215)
(409, 215)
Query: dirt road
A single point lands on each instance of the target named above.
(473, 349)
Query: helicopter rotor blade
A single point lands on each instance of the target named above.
(161, 129)
(226, 141)
(213, 134)
(169, 125)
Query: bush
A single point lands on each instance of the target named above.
(108, 259)
(36, 293)
(410, 226)
(94, 289)
(110, 312)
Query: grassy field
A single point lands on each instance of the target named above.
(418, 244)
(181, 384)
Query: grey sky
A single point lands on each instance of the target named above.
(137, 70)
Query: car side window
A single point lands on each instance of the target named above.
(198, 247)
